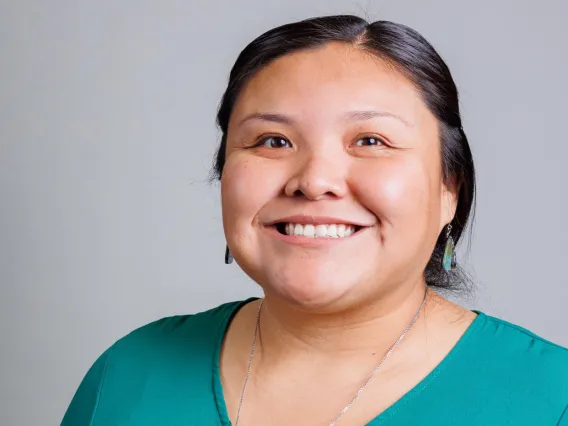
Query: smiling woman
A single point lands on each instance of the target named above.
(346, 180)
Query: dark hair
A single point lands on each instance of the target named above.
(414, 57)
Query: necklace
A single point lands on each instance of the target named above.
(359, 391)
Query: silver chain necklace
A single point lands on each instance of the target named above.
(361, 389)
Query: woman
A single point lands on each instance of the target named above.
(346, 181)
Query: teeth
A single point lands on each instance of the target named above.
(332, 231)
(319, 231)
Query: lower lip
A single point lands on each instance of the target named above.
(309, 241)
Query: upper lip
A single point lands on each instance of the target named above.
(316, 220)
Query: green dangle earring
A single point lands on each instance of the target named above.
(449, 261)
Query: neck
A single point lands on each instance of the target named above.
(287, 330)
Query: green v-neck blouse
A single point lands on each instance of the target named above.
(167, 374)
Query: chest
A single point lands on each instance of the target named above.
(414, 397)
(444, 398)
(315, 398)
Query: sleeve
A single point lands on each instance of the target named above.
(563, 418)
(81, 410)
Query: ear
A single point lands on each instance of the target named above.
(449, 201)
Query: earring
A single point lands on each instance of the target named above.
(228, 256)
(449, 262)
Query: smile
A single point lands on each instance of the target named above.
(339, 230)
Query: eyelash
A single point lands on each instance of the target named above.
(378, 141)
(263, 140)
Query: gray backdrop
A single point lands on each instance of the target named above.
(106, 138)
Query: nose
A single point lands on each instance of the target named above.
(318, 177)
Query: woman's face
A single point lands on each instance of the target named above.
(332, 189)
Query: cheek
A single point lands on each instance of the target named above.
(247, 184)
(401, 189)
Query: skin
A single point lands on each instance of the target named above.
(353, 141)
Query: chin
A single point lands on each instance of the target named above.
(311, 290)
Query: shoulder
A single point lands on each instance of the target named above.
(181, 343)
(191, 332)
(521, 357)
(506, 368)
(172, 356)
(517, 340)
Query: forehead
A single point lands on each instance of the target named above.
(329, 81)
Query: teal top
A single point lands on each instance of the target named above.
(167, 373)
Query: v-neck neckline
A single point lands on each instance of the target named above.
(385, 415)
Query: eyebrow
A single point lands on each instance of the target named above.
(367, 115)
(350, 116)
(273, 118)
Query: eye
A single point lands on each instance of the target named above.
(274, 142)
(369, 141)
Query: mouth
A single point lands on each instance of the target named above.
(308, 230)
